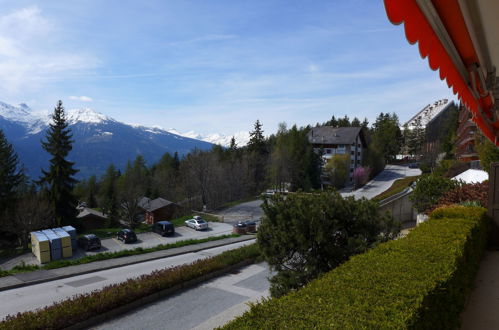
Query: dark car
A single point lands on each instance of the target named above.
(164, 228)
(89, 242)
(127, 236)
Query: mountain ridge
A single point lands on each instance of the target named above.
(99, 140)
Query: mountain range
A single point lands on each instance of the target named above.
(99, 140)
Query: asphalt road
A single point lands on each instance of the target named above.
(243, 212)
(44, 294)
(382, 181)
(206, 306)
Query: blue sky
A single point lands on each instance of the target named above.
(212, 66)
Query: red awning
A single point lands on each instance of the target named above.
(439, 28)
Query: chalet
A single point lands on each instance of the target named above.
(158, 209)
(332, 141)
(91, 219)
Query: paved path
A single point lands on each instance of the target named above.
(44, 294)
(206, 306)
(30, 278)
(245, 211)
(383, 181)
(481, 311)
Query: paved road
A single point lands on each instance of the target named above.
(145, 240)
(44, 294)
(242, 212)
(206, 306)
(382, 181)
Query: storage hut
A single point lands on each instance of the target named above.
(67, 251)
(40, 246)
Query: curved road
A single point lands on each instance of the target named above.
(382, 181)
(242, 212)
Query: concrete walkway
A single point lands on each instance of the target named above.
(482, 308)
(40, 276)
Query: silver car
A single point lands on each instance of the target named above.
(196, 223)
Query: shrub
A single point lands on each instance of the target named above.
(84, 306)
(429, 189)
(361, 175)
(417, 282)
(305, 235)
(476, 192)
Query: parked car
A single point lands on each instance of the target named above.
(164, 228)
(197, 223)
(126, 236)
(89, 242)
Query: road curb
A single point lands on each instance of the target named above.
(156, 296)
(146, 257)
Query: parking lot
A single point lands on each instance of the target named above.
(144, 240)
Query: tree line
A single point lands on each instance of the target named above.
(200, 179)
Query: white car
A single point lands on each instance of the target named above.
(197, 223)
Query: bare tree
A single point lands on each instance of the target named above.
(32, 213)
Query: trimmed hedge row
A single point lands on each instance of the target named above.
(417, 282)
(82, 307)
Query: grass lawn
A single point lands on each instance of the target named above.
(398, 186)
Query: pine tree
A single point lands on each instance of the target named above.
(257, 140)
(11, 175)
(59, 180)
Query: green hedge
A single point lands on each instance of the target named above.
(418, 282)
(82, 307)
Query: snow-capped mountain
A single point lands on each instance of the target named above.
(99, 140)
(22, 115)
(242, 137)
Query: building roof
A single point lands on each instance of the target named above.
(472, 176)
(154, 204)
(87, 211)
(334, 135)
(428, 113)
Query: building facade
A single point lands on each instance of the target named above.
(329, 141)
(466, 132)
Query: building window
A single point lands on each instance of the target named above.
(328, 151)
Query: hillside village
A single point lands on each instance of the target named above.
(343, 221)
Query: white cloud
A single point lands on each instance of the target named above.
(81, 98)
(31, 52)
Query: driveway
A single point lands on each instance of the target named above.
(207, 306)
(144, 240)
(382, 181)
(242, 212)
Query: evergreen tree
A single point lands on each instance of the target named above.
(11, 175)
(344, 122)
(257, 149)
(355, 122)
(303, 236)
(387, 136)
(59, 180)
(257, 140)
